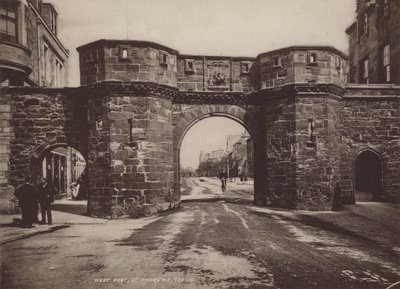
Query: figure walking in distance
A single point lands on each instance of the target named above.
(223, 176)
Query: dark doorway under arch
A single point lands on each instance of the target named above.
(368, 176)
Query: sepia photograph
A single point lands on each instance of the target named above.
(232, 144)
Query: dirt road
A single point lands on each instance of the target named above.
(214, 244)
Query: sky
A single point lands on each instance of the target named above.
(205, 27)
(217, 128)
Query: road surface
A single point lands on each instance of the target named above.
(214, 243)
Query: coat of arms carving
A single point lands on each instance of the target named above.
(218, 74)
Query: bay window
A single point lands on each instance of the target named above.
(8, 22)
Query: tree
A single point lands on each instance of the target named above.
(212, 167)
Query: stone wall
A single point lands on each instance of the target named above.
(7, 202)
(370, 120)
(127, 61)
(130, 153)
(317, 151)
(99, 202)
(314, 65)
(280, 139)
(302, 133)
(40, 120)
(305, 138)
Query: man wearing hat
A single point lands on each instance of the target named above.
(45, 194)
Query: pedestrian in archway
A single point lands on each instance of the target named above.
(46, 197)
(223, 176)
(27, 200)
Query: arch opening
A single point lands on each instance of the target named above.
(209, 145)
(65, 168)
(368, 176)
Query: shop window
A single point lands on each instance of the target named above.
(8, 22)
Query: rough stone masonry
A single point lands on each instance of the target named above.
(138, 99)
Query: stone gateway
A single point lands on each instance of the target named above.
(318, 140)
(138, 99)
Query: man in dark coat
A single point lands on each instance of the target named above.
(27, 198)
(223, 176)
(46, 197)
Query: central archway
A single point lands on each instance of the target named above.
(185, 117)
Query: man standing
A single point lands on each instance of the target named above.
(27, 199)
(45, 199)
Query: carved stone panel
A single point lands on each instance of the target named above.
(218, 75)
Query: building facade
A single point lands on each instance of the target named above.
(238, 158)
(30, 52)
(375, 42)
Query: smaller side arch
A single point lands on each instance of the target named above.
(368, 176)
(41, 152)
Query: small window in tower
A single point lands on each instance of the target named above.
(245, 67)
(189, 66)
(99, 125)
(311, 134)
(163, 58)
(278, 61)
(338, 63)
(312, 58)
(123, 53)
